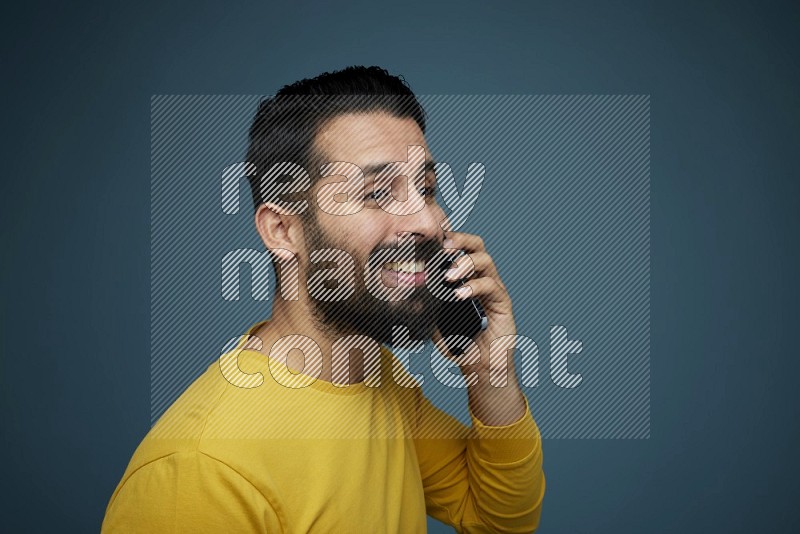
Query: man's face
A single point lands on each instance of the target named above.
(371, 141)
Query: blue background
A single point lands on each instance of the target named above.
(564, 210)
(723, 80)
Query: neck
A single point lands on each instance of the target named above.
(294, 318)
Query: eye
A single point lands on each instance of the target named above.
(429, 192)
(377, 195)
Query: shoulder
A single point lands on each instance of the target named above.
(190, 491)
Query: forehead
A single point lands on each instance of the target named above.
(367, 139)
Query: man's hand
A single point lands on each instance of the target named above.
(493, 406)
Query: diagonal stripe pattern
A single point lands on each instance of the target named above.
(559, 188)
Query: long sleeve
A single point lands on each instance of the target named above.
(188, 492)
(480, 479)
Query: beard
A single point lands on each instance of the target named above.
(364, 314)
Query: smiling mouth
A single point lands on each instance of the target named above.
(409, 267)
(406, 273)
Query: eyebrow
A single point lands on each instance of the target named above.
(371, 170)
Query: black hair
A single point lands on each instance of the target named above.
(285, 125)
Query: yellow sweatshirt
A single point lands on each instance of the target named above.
(324, 458)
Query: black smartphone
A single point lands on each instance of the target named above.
(462, 317)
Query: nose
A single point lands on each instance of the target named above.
(424, 225)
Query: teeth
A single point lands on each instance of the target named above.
(405, 266)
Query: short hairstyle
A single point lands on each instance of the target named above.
(286, 125)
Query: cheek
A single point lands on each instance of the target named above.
(357, 234)
(364, 235)
(363, 232)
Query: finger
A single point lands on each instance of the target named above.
(479, 264)
(463, 241)
(475, 247)
(463, 267)
(486, 289)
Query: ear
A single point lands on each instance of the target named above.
(279, 231)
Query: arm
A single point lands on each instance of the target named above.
(483, 479)
(489, 477)
(188, 492)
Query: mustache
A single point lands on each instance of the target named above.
(423, 251)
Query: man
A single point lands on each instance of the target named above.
(310, 424)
